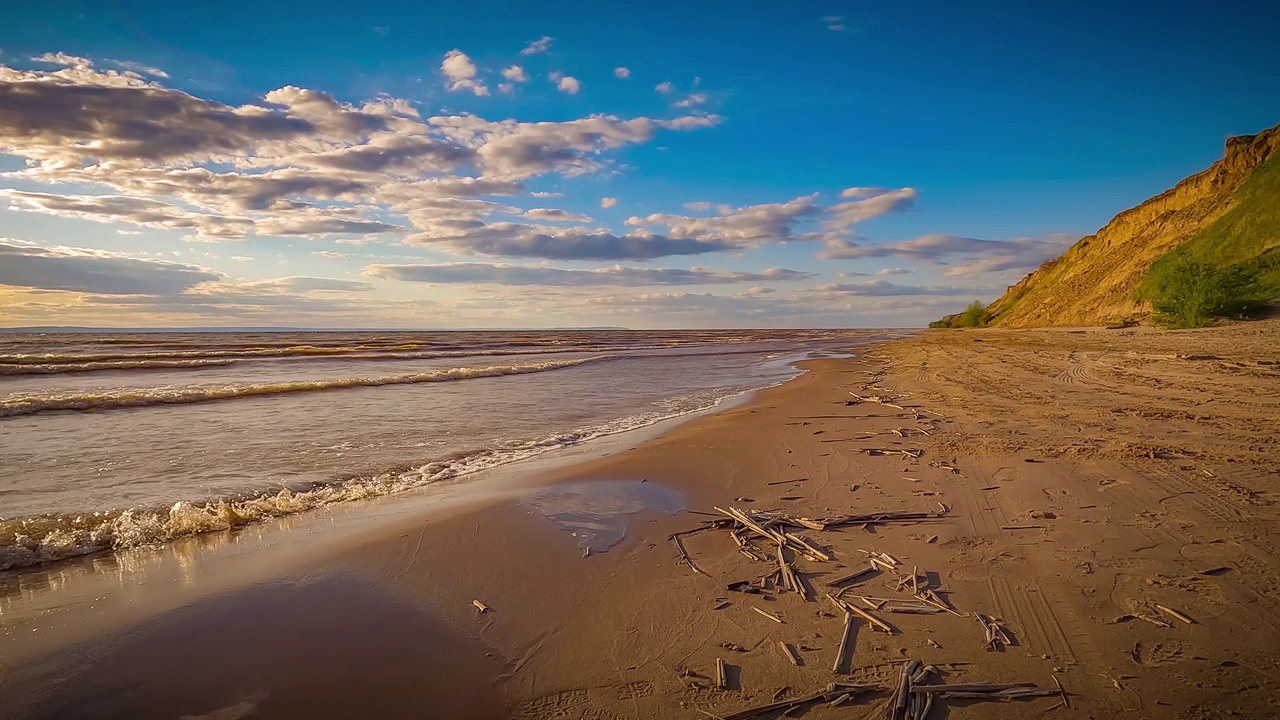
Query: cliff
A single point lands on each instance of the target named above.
(1230, 213)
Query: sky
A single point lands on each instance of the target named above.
(643, 165)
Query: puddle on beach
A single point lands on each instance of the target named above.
(596, 512)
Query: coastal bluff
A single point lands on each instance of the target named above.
(1096, 281)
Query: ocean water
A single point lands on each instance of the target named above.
(115, 440)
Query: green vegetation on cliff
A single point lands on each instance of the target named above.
(973, 316)
(1227, 268)
(1209, 246)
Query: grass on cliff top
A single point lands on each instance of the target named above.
(1246, 238)
(1227, 268)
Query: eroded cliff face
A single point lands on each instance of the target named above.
(1093, 282)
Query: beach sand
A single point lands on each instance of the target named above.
(1087, 477)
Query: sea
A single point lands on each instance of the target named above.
(113, 440)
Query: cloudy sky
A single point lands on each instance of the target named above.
(521, 165)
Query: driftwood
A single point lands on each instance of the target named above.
(828, 694)
(791, 654)
(684, 556)
(846, 643)
(480, 606)
(722, 679)
(771, 616)
(875, 621)
(1065, 700)
(996, 636)
(1176, 614)
(852, 576)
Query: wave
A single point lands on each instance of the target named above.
(245, 352)
(29, 404)
(35, 540)
(52, 369)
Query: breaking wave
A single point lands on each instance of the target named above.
(46, 538)
(29, 404)
(104, 365)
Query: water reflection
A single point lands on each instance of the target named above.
(596, 512)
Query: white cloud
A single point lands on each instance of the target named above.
(569, 85)
(982, 256)
(309, 284)
(515, 73)
(61, 58)
(525, 275)
(694, 99)
(77, 269)
(138, 68)
(608, 202)
(664, 87)
(835, 23)
(555, 215)
(538, 46)
(868, 203)
(621, 73)
(461, 73)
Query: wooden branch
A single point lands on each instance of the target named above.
(846, 642)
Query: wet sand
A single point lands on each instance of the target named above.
(1097, 474)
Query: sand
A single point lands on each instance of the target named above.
(1087, 476)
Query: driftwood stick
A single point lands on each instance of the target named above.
(846, 642)
(722, 679)
(969, 687)
(1175, 614)
(851, 576)
(1065, 700)
(862, 613)
(684, 556)
(771, 616)
(791, 654)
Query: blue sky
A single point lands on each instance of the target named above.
(702, 186)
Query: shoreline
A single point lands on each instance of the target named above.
(234, 514)
(1053, 536)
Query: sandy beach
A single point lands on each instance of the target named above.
(1093, 490)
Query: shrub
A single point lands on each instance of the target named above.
(973, 316)
(1191, 293)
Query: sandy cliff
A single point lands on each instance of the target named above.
(1093, 283)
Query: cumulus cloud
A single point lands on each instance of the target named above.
(505, 239)
(744, 227)
(144, 212)
(554, 215)
(310, 284)
(986, 255)
(26, 264)
(538, 46)
(608, 202)
(460, 73)
(138, 68)
(884, 288)
(664, 87)
(692, 100)
(621, 73)
(135, 211)
(61, 58)
(866, 203)
(568, 85)
(515, 73)
(524, 275)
